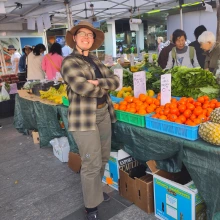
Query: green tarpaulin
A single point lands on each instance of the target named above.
(201, 159)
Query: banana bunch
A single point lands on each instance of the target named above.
(54, 95)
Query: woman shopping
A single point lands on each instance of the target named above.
(51, 62)
(91, 111)
(34, 70)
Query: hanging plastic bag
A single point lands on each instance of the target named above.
(61, 148)
(4, 94)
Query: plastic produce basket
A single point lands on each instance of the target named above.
(115, 99)
(175, 129)
(65, 101)
(134, 119)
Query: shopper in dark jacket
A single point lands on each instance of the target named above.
(22, 62)
(164, 54)
(199, 52)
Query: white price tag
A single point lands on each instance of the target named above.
(139, 80)
(150, 59)
(109, 60)
(140, 56)
(122, 59)
(165, 87)
(132, 59)
(119, 73)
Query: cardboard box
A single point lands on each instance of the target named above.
(126, 183)
(143, 193)
(36, 137)
(173, 200)
(74, 162)
(116, 160)
(136, 186)
(111, 173)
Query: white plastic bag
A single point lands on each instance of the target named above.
(61, 148)
(4, 94)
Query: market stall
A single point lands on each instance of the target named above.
(200, 158)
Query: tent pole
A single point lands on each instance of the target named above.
(2, 58)
(181, 18)
(45, 40)
(69, 17)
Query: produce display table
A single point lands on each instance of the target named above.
(201, 159)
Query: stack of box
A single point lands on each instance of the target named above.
(176, 201)
(116, 160)
(173, 199)
(136, 186)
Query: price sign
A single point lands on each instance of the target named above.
(122, 59)
(141, 56)
(150, 59)
(139, 80)
(132, 59)
(165, 87)
(108, 60)
(119, 73)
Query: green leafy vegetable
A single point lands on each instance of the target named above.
(194, 82)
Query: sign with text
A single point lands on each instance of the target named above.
(132, 59)
(139, 80)
(165, 88)
(109, 60)
(122, 59)
(119, 73)
(150, 59)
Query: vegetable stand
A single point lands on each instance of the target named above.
(200, 158)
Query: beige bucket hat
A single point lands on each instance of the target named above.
(99, 35)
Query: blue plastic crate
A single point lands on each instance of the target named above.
(175, 129)
(115, 99)
(176, 97)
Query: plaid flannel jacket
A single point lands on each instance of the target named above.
(83, 95)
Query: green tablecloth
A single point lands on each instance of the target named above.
(200, 158)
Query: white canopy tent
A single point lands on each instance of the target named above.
(65, 12)
(20, 11)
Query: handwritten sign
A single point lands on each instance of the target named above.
(119, 73)
(165, 86)
(122, 59)
(139, 80)
(141, 56)
(132, 59)
(150, 59)
(109, 60)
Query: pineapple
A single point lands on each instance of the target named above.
(215, 116)
(210, 132)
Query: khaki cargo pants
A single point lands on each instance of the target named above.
(94, 149)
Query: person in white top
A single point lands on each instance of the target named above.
(66, 50)
(34, 70)
(15, 57)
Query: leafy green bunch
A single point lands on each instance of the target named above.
(194, 82)
(154, 58)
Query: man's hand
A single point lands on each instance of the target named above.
(94, 82)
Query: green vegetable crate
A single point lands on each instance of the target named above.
(131, 118)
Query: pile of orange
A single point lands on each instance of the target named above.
(187, 110)
(142, 105)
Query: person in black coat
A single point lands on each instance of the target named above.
(22, 62)
(199, 52)
(164, 54)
